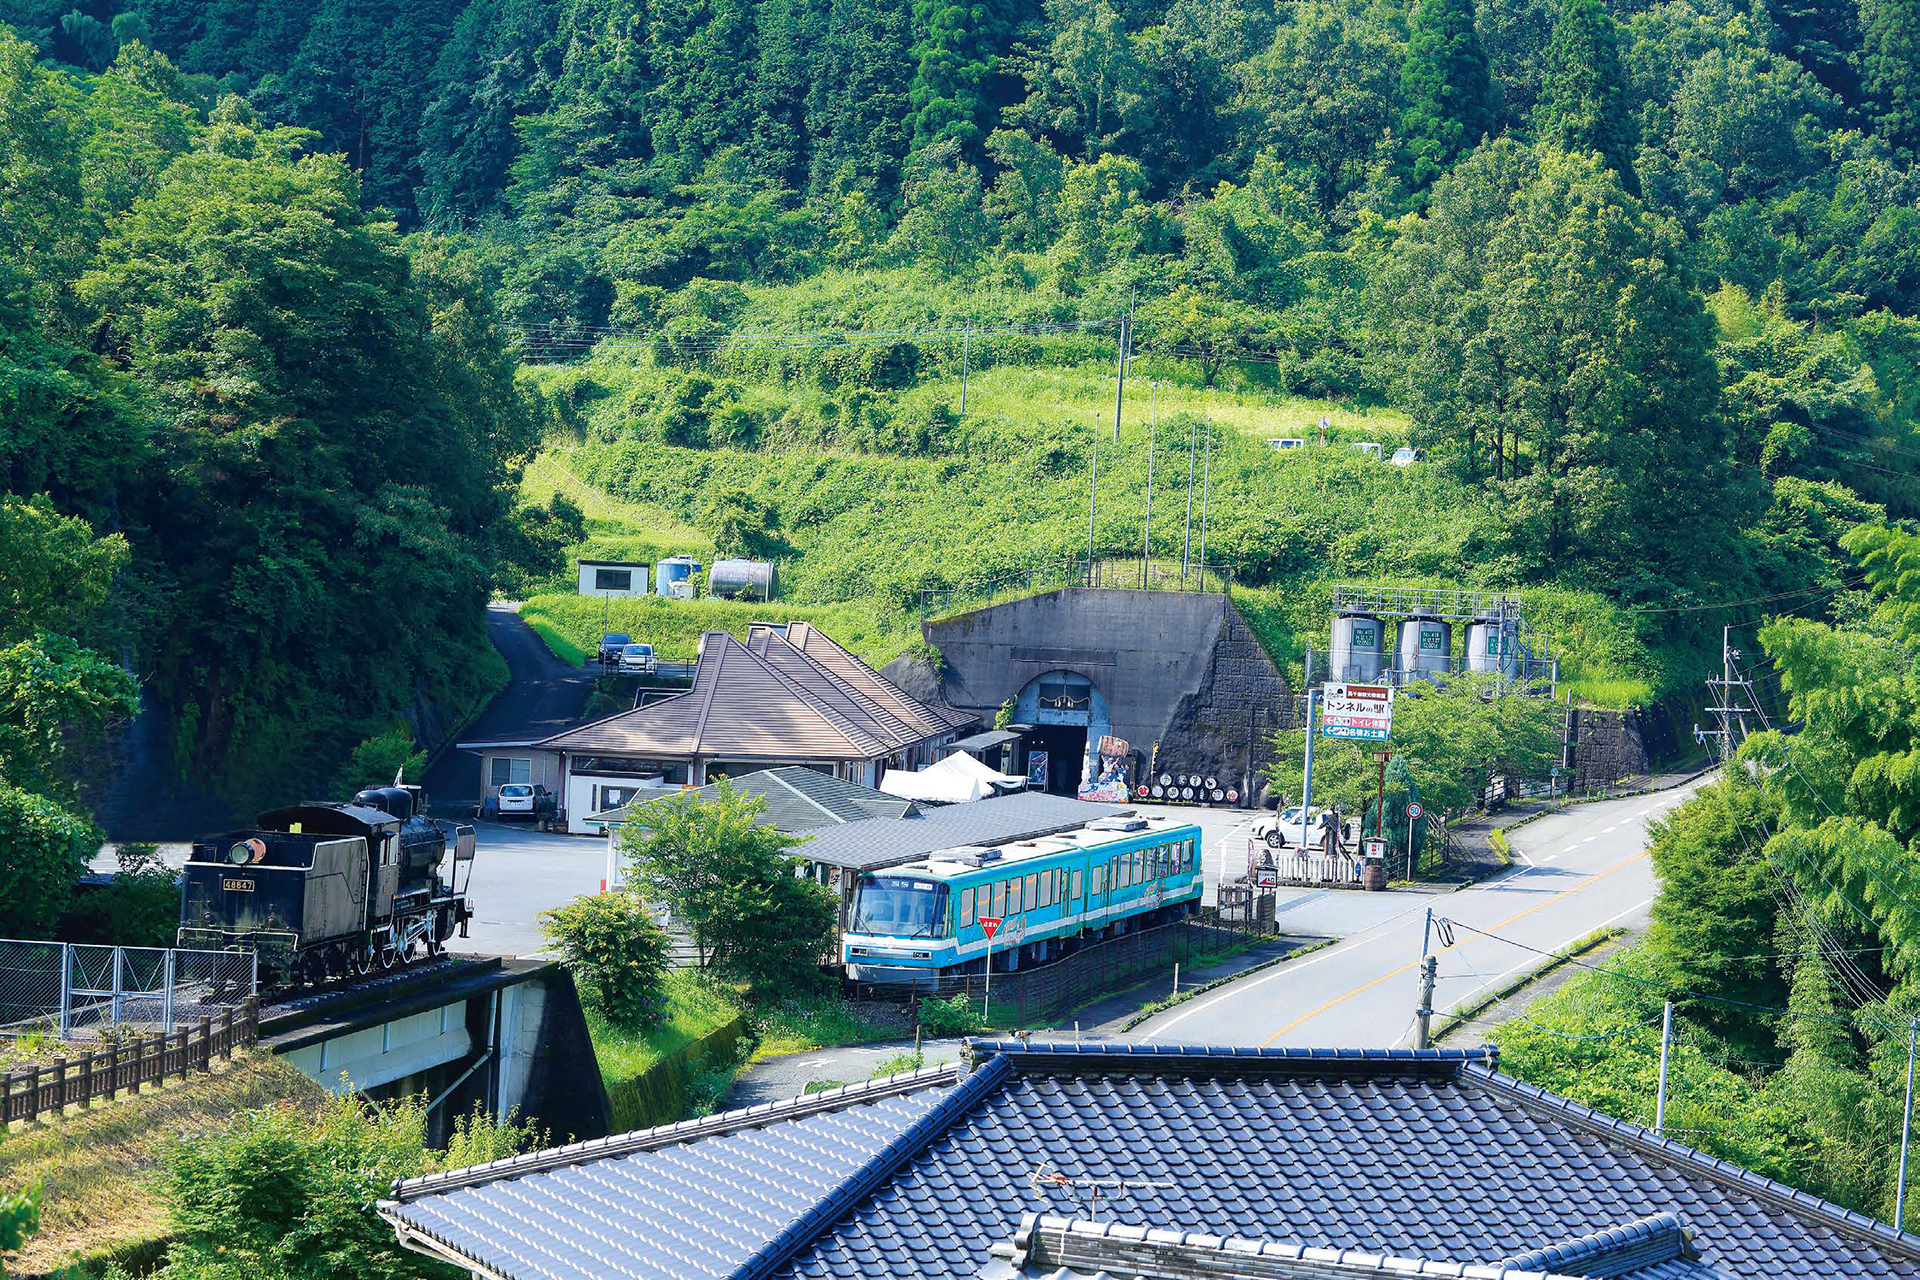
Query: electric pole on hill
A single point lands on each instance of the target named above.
(1733, 701)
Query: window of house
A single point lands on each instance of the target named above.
(966, 906)
(614, 797)
(613, 579)
(505, 769)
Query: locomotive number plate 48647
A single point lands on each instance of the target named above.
(237, 886)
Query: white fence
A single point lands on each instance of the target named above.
(78, 989)
(1267, 866)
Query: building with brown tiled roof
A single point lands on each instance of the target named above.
(787, 695)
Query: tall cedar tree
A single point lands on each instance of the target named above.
(1446, 89)
(1583, 104)
(957, 57)
(1824, 37)
(1890, 68)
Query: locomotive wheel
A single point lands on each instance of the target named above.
(313, 968)
(389, 959)
(363, 960)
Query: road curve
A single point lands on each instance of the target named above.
(1575, 871)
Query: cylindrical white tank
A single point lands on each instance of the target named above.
(749, 579)
(1425, 646)
(1358, 649)
(1490, 648)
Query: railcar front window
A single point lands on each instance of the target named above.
(893, 906)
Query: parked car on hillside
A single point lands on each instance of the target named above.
(611, 644)
(637, 660)
(525, 802)
(1407, 455)
(1367, 449)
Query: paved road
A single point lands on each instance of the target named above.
(1577, 871)
(543, 696)
(518, 873)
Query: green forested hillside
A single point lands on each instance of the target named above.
(1640, 277)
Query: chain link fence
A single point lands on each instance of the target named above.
(1114, 574)
(80, 990)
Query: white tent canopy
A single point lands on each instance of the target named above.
(955, 780)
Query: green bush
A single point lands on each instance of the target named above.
(618, 953)
(140, 907)
(282, 1194)
(951, 1017)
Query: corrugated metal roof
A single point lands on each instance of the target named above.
(797, 799)
(879, 842)
(777, 704)
(820, 647)
(1392, 1156)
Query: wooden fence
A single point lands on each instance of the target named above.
(105, 1073)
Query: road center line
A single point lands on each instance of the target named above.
(1414, 964)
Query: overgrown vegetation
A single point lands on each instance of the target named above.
(1786, 929)
(618, 954)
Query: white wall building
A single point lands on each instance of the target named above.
(614, 578)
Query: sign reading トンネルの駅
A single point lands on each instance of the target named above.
(1359, 711)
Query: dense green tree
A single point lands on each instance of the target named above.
(326, 451)
(1824, 37)
(43, 851)
(1583, 102)
(944, 221)
(1544, 337)
(730, 881)
(1321, 96)
(492, 70)
(1889, 53)
(958, 48)
(618, 953)
(1453, 738)
(1446, 92)
(858, 114)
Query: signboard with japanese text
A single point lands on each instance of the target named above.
(1363, 712)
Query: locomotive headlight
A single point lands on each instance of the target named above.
(239, 855)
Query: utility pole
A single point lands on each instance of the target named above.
(1186, 553)
(966, 350)
(1906, 1126)
(1120, 374)
(1429, 969)
(1729, 708)
(1153, 429)
(1660, 1094)
(1380, 797)
(1206, 487)
(1093, 491)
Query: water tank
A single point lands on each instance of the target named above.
(742, 579)
(1491, 649)
(1425, 646)
(1358, 647)
(673, 569)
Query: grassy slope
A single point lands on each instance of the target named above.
(1006, 490)
(96, 1167)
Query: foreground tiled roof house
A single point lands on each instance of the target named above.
(1033, 1160)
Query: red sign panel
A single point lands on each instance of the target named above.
(989, 924)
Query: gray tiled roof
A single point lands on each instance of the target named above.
(1392, 1154)
(881, 842)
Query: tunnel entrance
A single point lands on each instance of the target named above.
(1066, 748)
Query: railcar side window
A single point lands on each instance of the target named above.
(1033, 889)
(1046, 889)
(1076, 883)
(1114, 870)
(1013, 898)
(966, 906)
(1000, 900)
(1189, 856)
(1139, 866)
(1099, 881)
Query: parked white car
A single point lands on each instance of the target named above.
(1286, 444)
(1286, 828)
(1367, 448)
(637, 660)
(1407, 455)
(520, 801)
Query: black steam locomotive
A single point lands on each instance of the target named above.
(326, 891)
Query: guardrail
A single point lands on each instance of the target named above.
(50, 1087)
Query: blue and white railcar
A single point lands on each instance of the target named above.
(918, 922)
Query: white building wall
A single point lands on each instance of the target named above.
(595, 579)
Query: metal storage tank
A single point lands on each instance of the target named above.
(671, 570)
(1491, 648)
(1358, 650)
(742, 579)
(1425, 646)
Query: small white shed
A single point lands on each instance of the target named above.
(613, 577)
